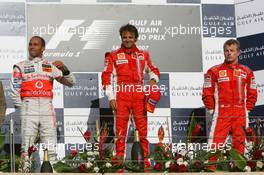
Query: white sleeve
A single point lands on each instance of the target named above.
(70, 78)
(15, 85)
(55, 72)
(110, 93)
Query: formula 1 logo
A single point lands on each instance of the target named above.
(94, 35)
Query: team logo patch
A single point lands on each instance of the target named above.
(222, 73)
(134, 55)
(46, 68)
(121, 56)
(240, 73)
(46, 65)
(29, 70)
(237, 72)
(222, 79)
(121, 62)
(39, 85)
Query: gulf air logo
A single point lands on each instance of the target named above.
(94, 35)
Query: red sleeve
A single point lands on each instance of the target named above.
(151, 69)
(252, 93)
(209, 90)
(108, 70)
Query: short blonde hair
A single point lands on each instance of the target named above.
(230, 42)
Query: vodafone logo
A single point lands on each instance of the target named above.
(39, 85)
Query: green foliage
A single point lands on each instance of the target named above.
(61, 167)
(239, 160)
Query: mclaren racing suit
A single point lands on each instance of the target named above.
(231, 92)
(32, 84)
(126, 67)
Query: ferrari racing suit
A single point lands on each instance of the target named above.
(231, 92)
(123, 80)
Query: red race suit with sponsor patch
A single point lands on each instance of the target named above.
(230, 91)
(123, 80)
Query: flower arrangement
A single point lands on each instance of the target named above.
(27, 162)
(229, 160)
(254, 148)
(163, 158)
(89, 161)
(167, 161)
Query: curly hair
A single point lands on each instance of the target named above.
(129, 28)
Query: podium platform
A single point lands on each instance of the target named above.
(236, 173)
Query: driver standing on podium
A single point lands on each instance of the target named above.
(32, 86)
(128, 65)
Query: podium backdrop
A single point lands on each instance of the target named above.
(184, 38)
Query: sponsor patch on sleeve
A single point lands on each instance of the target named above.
(207, 81)
(46, 68)
(17, 75)
(29, 70)
(16, 85)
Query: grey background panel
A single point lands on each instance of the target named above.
(114, 1)
(218, 20)
(43, 0)
(5, 78)
(183, 1)
(84, 36)
(12, 19)
(83, 93)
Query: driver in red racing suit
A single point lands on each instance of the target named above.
(126, 67)
(229, 93)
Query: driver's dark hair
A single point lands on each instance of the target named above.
(43, 43)
(129, 28)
